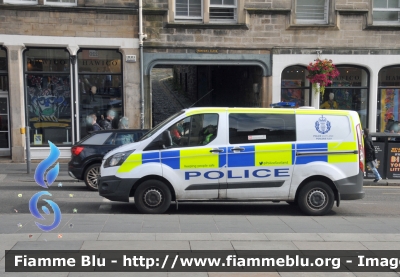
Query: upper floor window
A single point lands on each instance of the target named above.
(311, 11)
(218, 10)
(60, 2)
(188, 9)
(29, 2)
(386, 12)
(222, 10)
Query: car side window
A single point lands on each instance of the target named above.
(124, 138)
(97, 139)
(261, 128)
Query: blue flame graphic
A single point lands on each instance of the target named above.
(45, 164)
(34, 211)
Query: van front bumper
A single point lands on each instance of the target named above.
(351, 188)
(115, 189)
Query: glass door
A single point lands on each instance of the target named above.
(4, 126)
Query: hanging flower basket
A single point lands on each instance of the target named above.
(321, 73)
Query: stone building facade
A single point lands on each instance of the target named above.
(59, 63)
(280, 38)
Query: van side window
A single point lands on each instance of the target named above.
(195, 130)
(261, 128)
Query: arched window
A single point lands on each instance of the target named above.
(388, 99)
(349, 91)
(295, 87)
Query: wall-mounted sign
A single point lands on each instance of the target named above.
(207, 51)
(93, 54)
(37, 139)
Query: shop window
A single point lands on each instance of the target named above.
(386, 12)
(295, 87)
(261, 128)
(22, 2)
(311, 11)
(60, 2)
(349, 91)
(388, 109)
(48, 96)
(4, 109)
(100, 87)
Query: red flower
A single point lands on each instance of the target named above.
(322, 72)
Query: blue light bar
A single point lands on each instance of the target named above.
(283, 105)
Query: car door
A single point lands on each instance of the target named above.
(260, 155)
(191, 161)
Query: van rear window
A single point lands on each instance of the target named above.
(261, 128)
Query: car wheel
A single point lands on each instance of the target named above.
(152, 197)
(316, 198)
(91, 175)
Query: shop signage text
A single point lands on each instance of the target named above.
(101, 62)
(207, 51)
(47, 61)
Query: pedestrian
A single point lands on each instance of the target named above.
(370, 157)
(106, 123)
(92, 121)
(123, 123)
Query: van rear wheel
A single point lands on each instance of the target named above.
(152, 197)
(316, 198)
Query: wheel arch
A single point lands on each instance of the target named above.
(321, 179)
(89, 163)
(153, 177)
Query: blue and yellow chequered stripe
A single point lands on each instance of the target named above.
(253, 155)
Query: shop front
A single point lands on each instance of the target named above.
(56, 111)
(4, 106)
(349, 91)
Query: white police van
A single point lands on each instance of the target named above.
(307, 157)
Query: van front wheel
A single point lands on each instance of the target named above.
(152, 197)
(316, 198)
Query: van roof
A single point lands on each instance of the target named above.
(269, 110)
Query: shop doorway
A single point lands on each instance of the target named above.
(4, 117)
(175, 87)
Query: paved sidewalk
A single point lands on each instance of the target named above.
(198, 241)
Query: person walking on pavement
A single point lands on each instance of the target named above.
(370, 157)
(106, 123)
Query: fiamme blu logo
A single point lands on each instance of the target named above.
(46, 183)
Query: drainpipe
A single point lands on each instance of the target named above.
(141, 37)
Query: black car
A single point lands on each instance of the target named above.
(87, 154)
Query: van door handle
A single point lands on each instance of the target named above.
(216, 150)
(237, 149)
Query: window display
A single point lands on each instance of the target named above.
(349, 91)
(100, 88)
(48, 96)
(388, 100)
(295, 86)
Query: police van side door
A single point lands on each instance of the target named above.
(192, 162)
(260, 154)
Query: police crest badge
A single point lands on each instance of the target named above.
(322, 125)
